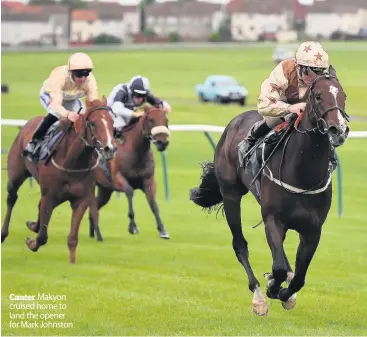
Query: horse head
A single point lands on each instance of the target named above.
(155, 127)
(95, 128)
(326, 106)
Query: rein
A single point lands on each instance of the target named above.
(321, 128)
(88, 125)
(321, 123)
(160, 129)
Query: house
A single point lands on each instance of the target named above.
(192, 20)
(330, 16)
(117, 20)
(108, 18)
(20, 28)
(131, 20)
(253, 20)
(85, 25)
(23, 24)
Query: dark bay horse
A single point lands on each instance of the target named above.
(295, 187)
(70, 175)
(133, 168)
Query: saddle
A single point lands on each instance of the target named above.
(46, 146)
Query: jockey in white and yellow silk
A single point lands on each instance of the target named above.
(61, 92)
(282, 93)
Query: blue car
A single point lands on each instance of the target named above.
(221, 89)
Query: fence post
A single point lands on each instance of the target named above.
(165, 175)
(340, 187)
(211, 140)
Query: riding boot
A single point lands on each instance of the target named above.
(258, 130)
(117, 133)
(39, 134)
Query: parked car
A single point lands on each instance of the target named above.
(281, 53)
(221, 89)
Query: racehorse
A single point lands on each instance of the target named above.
(133, 168)
(295, 190)
(69, 176)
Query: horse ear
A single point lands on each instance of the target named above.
(104, 100)
(332, 71)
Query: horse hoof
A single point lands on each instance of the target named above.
(164, 235)
(30, 225)
(268, 276)
(290, 304)
(260, 309)
(32, 244)
(133, 231)
(100, 239)
(3, 237)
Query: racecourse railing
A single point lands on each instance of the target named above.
(206, 129)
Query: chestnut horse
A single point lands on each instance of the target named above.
(133, 167)
(295, 187)
(69, 176)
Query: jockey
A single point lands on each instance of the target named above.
(125, 98)
(61, 92)
(282, 93)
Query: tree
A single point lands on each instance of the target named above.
(224, 31)
(143, 4)
(71, 5)
(42, 2)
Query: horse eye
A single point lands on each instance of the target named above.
(93, 124)
(318, 97)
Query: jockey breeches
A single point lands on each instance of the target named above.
(271, 122)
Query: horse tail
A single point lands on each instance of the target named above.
(207, 195)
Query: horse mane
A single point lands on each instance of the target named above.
(131, 125)
(95, 103)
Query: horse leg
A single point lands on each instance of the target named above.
(94, 218)
(129, 191)
(122, 185)
(16, 179)
(275, 234)
(269, 278)
(79, 206)
(306, 250)
(232, 209)
(150, 190)
(47, 206)
(96, 204)
(34, 226)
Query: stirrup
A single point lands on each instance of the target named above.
(117, 134)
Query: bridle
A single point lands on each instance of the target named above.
(88, 126)
(319, 117)
(95, 146)
(149, 134)
(320, 128)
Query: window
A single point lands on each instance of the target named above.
(129, 28)
(150, 20)
(171, 20)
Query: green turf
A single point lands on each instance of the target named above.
(192, 284)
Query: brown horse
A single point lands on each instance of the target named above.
(70, 175)
(133, 167)
(295, 187)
